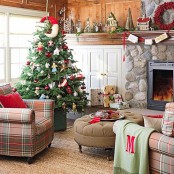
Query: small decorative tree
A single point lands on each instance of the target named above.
(50, 72)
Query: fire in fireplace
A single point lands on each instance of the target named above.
(160, 84)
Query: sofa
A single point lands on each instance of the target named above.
(24, 132)
(161, 144)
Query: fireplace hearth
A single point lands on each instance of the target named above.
(160, 75)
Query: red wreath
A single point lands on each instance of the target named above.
(159, 13)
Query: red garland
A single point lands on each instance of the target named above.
(159, 13)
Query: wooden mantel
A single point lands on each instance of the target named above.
(116, 38)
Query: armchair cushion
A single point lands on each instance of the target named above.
(13, 100)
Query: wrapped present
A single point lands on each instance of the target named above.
(117, 98)
(96, 97)
(109, 91)
(122, 105)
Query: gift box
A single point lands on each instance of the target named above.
(96, 97)
(122, 105)
(117, 98)
(109, 91)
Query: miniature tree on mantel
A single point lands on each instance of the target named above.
(50, 72)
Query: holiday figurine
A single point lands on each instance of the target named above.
(143, 23)
(129, 22)
(78, 26)
(54, 66)
(40, 47)
(87, 27)
(112, 22)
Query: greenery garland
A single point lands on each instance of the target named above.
(159, 13)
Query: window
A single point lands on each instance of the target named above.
(17, 27)
(2, 50)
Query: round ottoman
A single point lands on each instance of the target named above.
(99, 134)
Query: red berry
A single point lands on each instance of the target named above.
(28, 63)
(47, 88)
(14, 89)
(48, 54)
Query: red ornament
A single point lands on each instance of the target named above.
(72, 77)
(83, 87)
(47, 87)
(63, 32)
(14, 89)
(158, 15)
(48, 54)
(36, 80)
(65, 47)
(28, 63)
(66, 61)
(80, 76)
(68, 90)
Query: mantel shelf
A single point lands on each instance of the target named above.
(115, 38)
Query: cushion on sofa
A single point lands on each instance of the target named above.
(13, 100)
(168, 120)
(153, 121)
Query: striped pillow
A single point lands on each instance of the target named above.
(168, 120)
(153, 121)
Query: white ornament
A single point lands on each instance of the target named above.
(29, 74)
(47, 65)
(75, 94)
(27, 89)
(47, 97)
(59, 96)
(56, 51)
(51, 85)
(42, 72)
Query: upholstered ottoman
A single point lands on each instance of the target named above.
(99, 134)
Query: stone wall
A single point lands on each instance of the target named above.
(138, 55)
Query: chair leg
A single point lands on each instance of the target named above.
(109, 150)
(30, 160)
(80, 148)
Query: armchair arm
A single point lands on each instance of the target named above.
(15, 115)
(43, 108)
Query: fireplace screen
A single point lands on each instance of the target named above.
(160, 84)
(163, 85)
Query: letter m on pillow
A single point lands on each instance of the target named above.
(130, 147)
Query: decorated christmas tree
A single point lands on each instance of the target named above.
(50, 71)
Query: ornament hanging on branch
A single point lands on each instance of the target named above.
(64, 83)
(54, 28)
(40, 47)
(37, 90)
(68, 90)
(54, 68)
(74, 107)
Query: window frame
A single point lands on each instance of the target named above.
(15, 11)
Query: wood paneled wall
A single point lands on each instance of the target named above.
(99, 10)
(53, 5)
(96, 10)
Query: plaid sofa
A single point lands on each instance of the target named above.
(161, 145)
(26, 132)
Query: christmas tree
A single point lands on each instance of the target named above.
(50, 71)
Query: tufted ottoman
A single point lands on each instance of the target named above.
(99, 134)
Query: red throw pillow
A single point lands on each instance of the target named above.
(13, 100)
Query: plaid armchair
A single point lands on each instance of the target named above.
(26, 132)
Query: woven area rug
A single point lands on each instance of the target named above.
(62, 158)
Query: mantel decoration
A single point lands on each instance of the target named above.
(159, 13)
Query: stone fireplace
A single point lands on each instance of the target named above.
(137, 57)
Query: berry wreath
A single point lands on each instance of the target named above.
(158, 15)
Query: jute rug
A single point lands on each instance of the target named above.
(62, 158)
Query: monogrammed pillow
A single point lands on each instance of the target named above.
(153, 121)
(168, 120)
